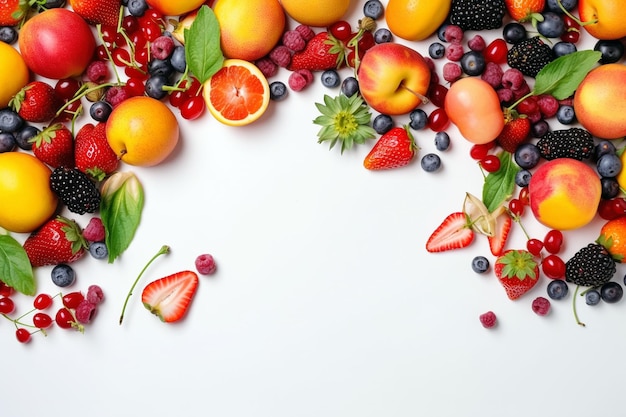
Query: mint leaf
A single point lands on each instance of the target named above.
(561, 77)
(15, 268)
(120, 211)
(202, 45)
(499, 185)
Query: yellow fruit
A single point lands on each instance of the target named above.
(319, 13)
(13, 73)
(249, 29)
(238, 94)
(613, 233)
(415, 20)
(174, 7)
(621, 177)
(142, 131)
(27, 200)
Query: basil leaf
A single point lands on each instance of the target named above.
(120, 211)
(202, 45)
(499, 185)
(15, 268)
(561, 77)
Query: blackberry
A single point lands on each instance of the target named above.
(75, 189)
(591, 266)
(575, 143)
(477, 14)
(530, 56)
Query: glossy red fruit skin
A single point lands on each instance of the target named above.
(496, 51)
(73, 299)
(438, 120)
(341, 30)
(480, 151)
(7, 306)
(437, 94)
(42, 320)
(553, 241)
(42, 301)
(516, 207)
(5, 290)
(553, 267)
(64, 318)
(534, 246)
(22, 335)
(193, 108)
(490, 163)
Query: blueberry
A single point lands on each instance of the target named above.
(8, 34)
(24, 135)
(100, 111)
(330, 78)
(611, 50)
(610, 188)
(611, 292)
(527, 155)
(522, 178)
(137, 8)
(563, 48)
(382, 124)
(160, 67)
(565, 114)
(514, 32)
(473, 63)
(592, 297)
(373, 9)
(63, 275)
(557, 289)
(383, 35)
(552, 25)
(418, 119)
(480, 264)
(436, 50)
(350, 86)
(278, 90)
(98, 250)
(609, 165)
(154, 86)
(602, 148)
(10, 121)
(431, 162)
(540, 128)
(553, 5)
(442, 141)
(178, 60)
(7, 142)
(441, 31)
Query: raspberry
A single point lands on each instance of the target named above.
(297, 81)
(477, 43)
(548, 105)
(541, 306)
(205, 264)
(94, 232)
(281, 56)
(307, 74)
(267, 67)
(452, 71)
(306, 32)
(505, 95)
(454, 52)
(453, 34)
(513, 79)
(94, 294)
(85, 311)
(162, 47)
(98, 72)
(520, 92)
(293, 40)
(488, 319)
(535, 117)
(116, 94)
(492, 74)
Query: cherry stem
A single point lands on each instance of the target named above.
(164, 249)
(580, 323)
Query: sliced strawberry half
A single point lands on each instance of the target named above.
(497, 242)
(169, 297)
(454, 232)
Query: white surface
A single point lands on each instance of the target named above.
(325, 302)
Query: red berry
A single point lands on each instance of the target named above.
(5, 290)
(66, 88)
(121, 57)
(488, 319)
(64, 318)
(193, 108)
(490, 163)
(553, 241)
(341, 30)
(437, 94)
(541, 306)
(73, 299)
(534, 246)
(22, 335)
(42, 301)
(438, 120)
(553, 267)
(6, 305)
(524, 196)
(205, 264)
(42, 320)
(478, 152)
(366, 41)
(516, 207)
(496, 51)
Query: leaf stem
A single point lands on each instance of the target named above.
(164, 249)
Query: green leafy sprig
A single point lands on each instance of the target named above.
(202, 45)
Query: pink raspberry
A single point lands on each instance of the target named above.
(281, 56)
(116, 94)
(492, 74)
(452, 71)
(94, 232)
(293, 40)
(267, 67)
(488, 319)
(548, 105)
(567, 102)
(297, 81)
(98, 72)
(85, 311)
(454, 52)
(541, 306)
(520, 92)
(513, 78)
(307, 74)
(453, 34)
(94, 294)
(535, 117)
(306, 32)
(505, 95)
(205, 264)
(477, 43)
(162, 47)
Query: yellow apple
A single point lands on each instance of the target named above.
(175, 8)
(393, 78)
(609, 17)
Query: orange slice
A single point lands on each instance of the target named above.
(237, 94)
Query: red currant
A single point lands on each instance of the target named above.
(553, 241)
(101, 53)
(66, 88)
(437, 94)
(341, 30)
(121, 57)
(193, 108)
(130, 24)
(490, 163)
(366, 41)
(42, 301)
(524, 196)
(64, 318)
(496, 51)
(553, 267)
(516, 207)
(177, 98)
(22, 335)
(135, 86)
(480, 151)
(108, 34)
(5, 290)
(73, 299)
(42, 320)
(438, 120)
(6, 305)
(151, 30)
(534, 246)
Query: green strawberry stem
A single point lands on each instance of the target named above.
(164, 249)
(580, 323)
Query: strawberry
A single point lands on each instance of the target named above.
(169, 297)
(92, 152)
(54, 146)
(497, 242)
(394, 149)
(104, 12)
(12, 12)
(454, 232)
(36, 102)
(515, 132)
(321, 53)
(59, 240)
(518, 271)
(524, 10)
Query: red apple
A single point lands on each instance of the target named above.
(57, 43)
(608, 17)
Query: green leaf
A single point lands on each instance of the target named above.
(202, 45)
(499, 185)
(15, 268)
(561, 77)
(120, 210)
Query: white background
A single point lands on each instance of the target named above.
(325, 302)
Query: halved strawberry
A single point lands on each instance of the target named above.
(497, 242)
(454, 232)
(169, 297)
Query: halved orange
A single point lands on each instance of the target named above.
(238, 93)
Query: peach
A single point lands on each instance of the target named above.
(564, 194)
(608, 17)
(600, 101)
(393, 78)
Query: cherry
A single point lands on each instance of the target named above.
(42, 301)
(524, 196)
(109, 33)
(490, 163)
(193, 108)
(341, 30)
(534, 246)
(516, 207)
(121, 57)
(553, 267)
(73, 299)
(130, 24)
(151, 29)
(22, 335)
(135, 86)
(6, 305)
(437, 94)
(178, 97)
(5, 290)
(366, 41)
(64, 318)
(42, 320)
(553, 241)
(67, 88)
(496, 51)
(480, 151)
(438, 120)
(101, 53)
